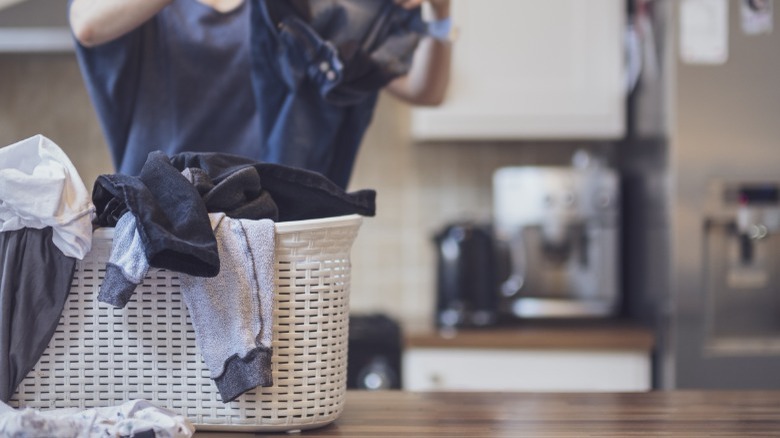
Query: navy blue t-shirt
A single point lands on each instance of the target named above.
(180, 82)
(258, 81)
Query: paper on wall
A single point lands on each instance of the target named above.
(704, 31)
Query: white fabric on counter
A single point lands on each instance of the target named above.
(40, 187)
(132, 418)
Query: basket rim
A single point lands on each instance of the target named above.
(349, 220)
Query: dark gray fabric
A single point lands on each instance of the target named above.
(244, 374)
(35, 279)
(238, 195)
(298, 194)
(115, 288)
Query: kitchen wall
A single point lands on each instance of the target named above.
(420, 187)
(44, 94)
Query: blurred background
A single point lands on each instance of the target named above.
(594, 207)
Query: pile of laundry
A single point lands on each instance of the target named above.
(45, 226)
(208, 216)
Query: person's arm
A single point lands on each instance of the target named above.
(427, 80)
(95, 22)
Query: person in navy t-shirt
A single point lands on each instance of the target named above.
(284, 81)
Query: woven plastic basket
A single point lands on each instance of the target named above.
(101, 356)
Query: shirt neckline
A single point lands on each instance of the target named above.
(217, 11)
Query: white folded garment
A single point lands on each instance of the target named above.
(40, 187)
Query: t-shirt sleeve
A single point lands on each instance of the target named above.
(111, 73)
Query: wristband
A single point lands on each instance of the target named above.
(442, 30)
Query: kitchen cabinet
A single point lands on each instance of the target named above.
(529, 69)
(28, 26)
(464, 369)
(562, 359)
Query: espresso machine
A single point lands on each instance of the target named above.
(560, 230)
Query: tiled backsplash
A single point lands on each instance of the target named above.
(420, 187)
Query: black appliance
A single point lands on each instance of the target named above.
(374, 353)
(466, 276)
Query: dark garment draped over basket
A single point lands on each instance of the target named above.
(172, 212)
(30, 303)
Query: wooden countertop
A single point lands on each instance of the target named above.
(583, 335)
(669, 414)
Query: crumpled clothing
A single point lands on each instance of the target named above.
(170, 215)
(238, 195)
(40, 187)
(136, 418)
(299, 194)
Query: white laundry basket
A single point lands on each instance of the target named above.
(102, 356)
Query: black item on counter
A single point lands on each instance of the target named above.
(467, 293)
(374, 353)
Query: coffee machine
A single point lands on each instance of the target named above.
(560, 229)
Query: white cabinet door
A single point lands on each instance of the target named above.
(463, 369)
(525, 69)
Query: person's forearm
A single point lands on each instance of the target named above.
(96, 22)
(427, 80)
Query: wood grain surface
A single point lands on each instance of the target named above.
(584, 336)
(667, 414)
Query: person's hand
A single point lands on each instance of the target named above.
(441, 8)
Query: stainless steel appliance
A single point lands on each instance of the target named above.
(561, 228)
(741, 252)
(702, 171)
